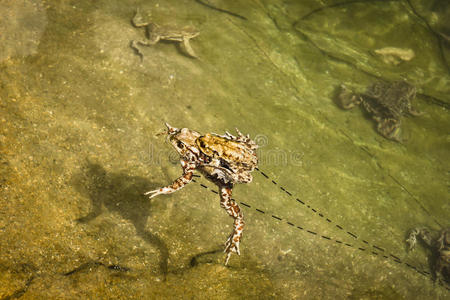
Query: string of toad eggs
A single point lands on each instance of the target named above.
(369, 248)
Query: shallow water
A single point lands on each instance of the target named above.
(328, 212)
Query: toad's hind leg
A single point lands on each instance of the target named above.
(232, 208)
(188, 48)
(179, 183)
(389, 128)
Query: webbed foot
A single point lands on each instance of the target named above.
(134, 45)
(232, 246)
(161, 191)
(188, 48)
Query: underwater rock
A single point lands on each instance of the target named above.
(394, 56)
(21, 25)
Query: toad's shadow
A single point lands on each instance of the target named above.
(120, 193)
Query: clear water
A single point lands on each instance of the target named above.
(79, 116)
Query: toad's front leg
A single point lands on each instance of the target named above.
(179, 183)
(232, 208)
(424, 235)
(148, 42)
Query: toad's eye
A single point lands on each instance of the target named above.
(180, 145)
(202, 144)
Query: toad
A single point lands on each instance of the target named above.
(225, 160)
(385, 103)
(440, 245)
(155, 33)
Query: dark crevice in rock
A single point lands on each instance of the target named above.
(19, 293)
(434, 100)
(340, 4)
(24, 269)
(438, 36)
(221, 10)
(195, 260)
(96, 264)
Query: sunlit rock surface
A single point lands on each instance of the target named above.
(327, 218)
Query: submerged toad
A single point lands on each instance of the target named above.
(385, 103)
(440, 246)
(223, 159)
(155, 33)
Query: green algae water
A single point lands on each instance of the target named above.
(331, 203)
